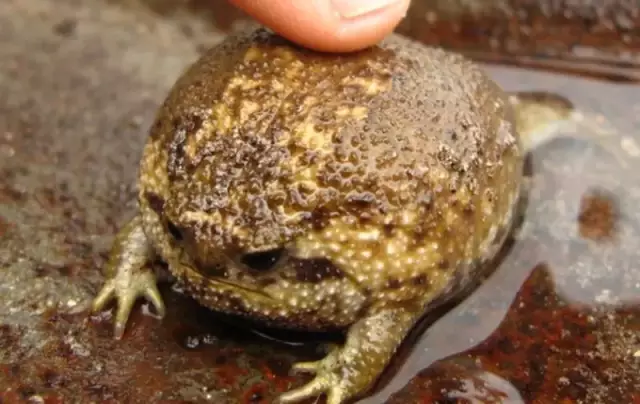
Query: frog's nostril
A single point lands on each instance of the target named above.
(263, 260)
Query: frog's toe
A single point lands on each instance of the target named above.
(125, 305)
(322, 383)
(315, 387)
(106, 294)
(327, 380)
(153, 295)
(126, 293)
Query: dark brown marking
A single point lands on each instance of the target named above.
(314, 270)
(469, 210)
(418, 235)
(388, 230)
(264, 281)
(156, 202)
(419, 280)
(319, 218)
(66, 27)
(216, 270)
(393, 284)
(362, 198)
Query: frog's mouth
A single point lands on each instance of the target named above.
(245, 273)
(224, 284)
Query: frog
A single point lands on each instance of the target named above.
(322, 192)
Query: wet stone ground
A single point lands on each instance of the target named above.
(558, 322)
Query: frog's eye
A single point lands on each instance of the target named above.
(263, 260)
(174, 231)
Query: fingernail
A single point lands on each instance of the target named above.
(357, 8)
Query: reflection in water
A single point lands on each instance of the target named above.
(459, 380)
(559, 319)
(485, 387)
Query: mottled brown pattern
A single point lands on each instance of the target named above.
(355, 174)
(250, 153)
(183, 127)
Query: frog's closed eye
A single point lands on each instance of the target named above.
(263, 260)
(174, 231)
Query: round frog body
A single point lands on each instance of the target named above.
(323, 192)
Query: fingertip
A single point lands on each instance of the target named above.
(330, 26)
(359, 33)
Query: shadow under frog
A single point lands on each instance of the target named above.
(316, 192)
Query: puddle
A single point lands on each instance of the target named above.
(559, 321)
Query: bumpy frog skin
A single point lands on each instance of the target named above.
(317, 192)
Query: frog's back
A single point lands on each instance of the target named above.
(274, 141)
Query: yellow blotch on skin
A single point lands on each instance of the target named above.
(308, 137)
(252, 54)
(223, 118)
(355, 112)
(242, 83)
(371, 86)
(277, 85)
(247, 108)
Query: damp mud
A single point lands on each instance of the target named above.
(80, 83)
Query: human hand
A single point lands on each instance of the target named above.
(328, 25)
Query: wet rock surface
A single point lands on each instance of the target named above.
(596, 38)
(80, 81)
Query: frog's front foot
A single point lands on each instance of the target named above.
(130, 276)
(126, 290)
(351, 370)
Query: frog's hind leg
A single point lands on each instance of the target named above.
(352, 369)
(129, 275)
(541, 117)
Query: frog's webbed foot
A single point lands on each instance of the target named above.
(350, 370)
(327, 380)
(130, 276)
